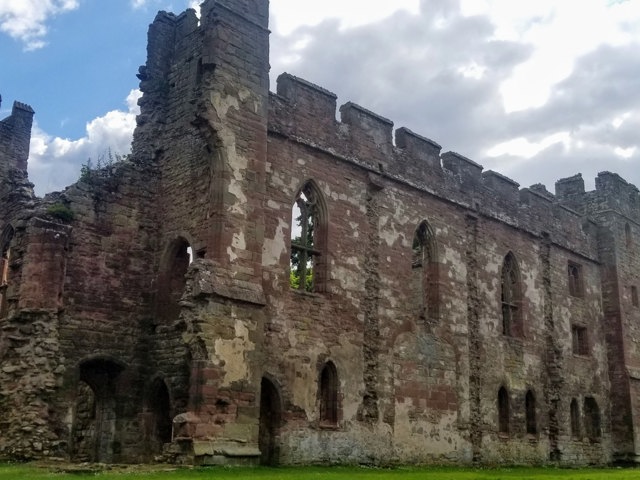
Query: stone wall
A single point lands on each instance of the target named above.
(149, 310)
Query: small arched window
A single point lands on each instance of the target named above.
(424, 272)
(530, 409)
(503, 411)
(511, 297)
(328, 393)
(627, 236)
(308, 240)
(574, 411)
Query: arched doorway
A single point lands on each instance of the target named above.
(270, 419)
(94, 424)
(159, 407)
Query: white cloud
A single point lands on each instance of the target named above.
(522, 147)
(55, 162)
(560, 32)
(288, 15)
(26, 20)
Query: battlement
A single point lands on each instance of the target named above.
(307, 112)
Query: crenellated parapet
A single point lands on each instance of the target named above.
(306, 113)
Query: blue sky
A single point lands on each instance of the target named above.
(528, 88)
(87, 67)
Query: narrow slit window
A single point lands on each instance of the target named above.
(503, 411)
(424, 285)
(329, 394)
(530, 410)
(574, 273)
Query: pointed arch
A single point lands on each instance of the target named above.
(172, 278)
(309, 226)
(511, 297)
(424, 273)
(328, 394)
(158, 408)
(503, 411)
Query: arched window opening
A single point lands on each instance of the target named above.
(627, 236)
(503, 411)
(574, 411)
(530, 409)
(592, 419)
(424, 283)
(308, 232)
(329, 394)
(511, 297)
(7, 236)
(172, 279)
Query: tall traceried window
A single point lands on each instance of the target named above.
(503, 411)
(328, 393)
(308, 240)
(511, 297)
(424, 273)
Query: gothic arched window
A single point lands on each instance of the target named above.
(308, 240)
(511, 297)
(424, 272)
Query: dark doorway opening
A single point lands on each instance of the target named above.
(159, 406)
(270, 419)
(95, 422)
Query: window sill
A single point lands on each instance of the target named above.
(305, 293)
(328, 426)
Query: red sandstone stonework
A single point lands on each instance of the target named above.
(147, 312)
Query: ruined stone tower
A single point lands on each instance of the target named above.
(260, 282)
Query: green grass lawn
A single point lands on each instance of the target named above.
(10, 472)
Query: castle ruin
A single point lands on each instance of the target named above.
(260, 282)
